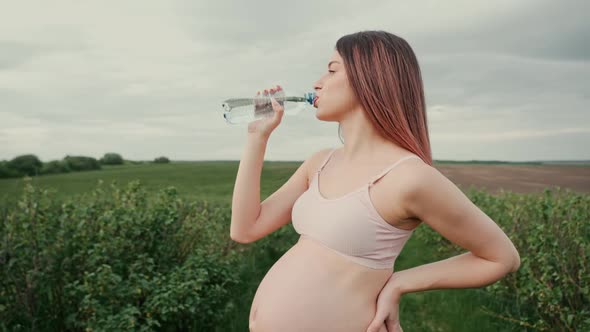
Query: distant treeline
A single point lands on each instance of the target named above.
(30, 165)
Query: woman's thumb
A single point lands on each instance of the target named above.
(278, 109)
(275, 104)
(376, 325)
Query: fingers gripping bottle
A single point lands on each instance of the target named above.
(245, 110)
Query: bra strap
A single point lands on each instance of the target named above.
(326, 160)
(380, 175)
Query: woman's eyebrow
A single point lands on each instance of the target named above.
(331, 62)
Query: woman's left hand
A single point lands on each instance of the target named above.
(387, 313)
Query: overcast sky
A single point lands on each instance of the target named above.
(504, 80)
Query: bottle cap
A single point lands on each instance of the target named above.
(310, 97)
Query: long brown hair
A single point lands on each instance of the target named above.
(385, 77)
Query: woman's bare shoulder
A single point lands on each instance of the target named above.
(414, 176)
(315, 160)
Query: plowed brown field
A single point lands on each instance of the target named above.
(518, 178)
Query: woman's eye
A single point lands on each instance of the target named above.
(331, 71)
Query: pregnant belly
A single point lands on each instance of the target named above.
(312, 288)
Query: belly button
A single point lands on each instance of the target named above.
(253, 318)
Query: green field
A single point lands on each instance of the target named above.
(440, 310)
(212, 181)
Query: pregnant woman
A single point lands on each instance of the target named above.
(356, 206)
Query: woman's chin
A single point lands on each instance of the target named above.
(320, 115)
(324, 117)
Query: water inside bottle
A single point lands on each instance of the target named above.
(243, 110)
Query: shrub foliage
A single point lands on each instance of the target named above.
(115, 260)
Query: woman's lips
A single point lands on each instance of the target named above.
(315, 101)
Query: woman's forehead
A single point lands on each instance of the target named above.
(336, 57)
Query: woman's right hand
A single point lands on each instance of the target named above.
(265, 125)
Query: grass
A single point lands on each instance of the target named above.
(212, 181)
(436, 310)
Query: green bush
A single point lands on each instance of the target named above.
(27, 164)
(111, 159)
(161, 160)
(121, 260)
(55, 167)
(82, 163)
(7, 172)
(115, 260)
(551, 290)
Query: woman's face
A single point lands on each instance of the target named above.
(335, 96)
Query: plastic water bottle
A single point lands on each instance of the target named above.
(245, 110)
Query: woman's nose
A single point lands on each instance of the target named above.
(316, 87)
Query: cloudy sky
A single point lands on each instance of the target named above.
(504, 80)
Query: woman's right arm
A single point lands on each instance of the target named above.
(246, 196)
(252, 220)
(245, 206)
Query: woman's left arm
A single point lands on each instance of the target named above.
(439, 203)
(435, 200)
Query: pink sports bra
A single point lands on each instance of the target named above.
(349, 225)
